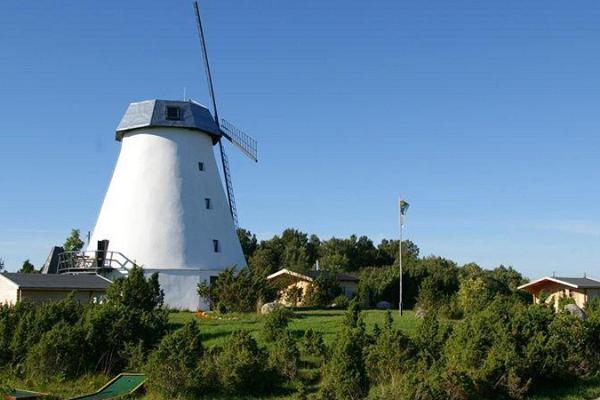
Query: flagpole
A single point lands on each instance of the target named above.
(402, 207)
(400, 257)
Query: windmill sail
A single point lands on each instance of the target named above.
(244, 142)
(211, 90)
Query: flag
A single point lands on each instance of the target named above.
(403, 207)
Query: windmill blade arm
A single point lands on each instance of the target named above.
(244, 142)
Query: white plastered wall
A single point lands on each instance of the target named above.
(154, 210)
(8, 291)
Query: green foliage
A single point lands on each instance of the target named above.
(294, 295)
(239, 292)
(27, 268)
(284, 356)
(276, 323)
(242, 367)
(324, 288)
(248, 242)
(313, 343)
(221, 308)
(73, 242)
(342, 301)
(131, 314)
(344, 375)
(172, 368)
(60, 353)
(390, 353)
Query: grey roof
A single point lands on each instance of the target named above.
(340, 277)
(153, 113)
(57, 282)
(583, 283)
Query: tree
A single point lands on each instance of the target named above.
(27, 268)
(73, 242)
(248, 242)
(1, 264)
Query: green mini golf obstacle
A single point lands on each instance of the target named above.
(122, 385)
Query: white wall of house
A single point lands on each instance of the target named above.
(8, 291)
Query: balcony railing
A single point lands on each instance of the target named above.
(92, 261)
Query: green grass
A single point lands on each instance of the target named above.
(217, 328)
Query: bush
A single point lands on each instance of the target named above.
(314, 344)
(284, 356)
(172, 368)
(239, 291)
(342, 301)
(276, 323)
(344, 375)
(294, 295)
(241, 366)
(221, 308)
(60, 354)
(390, 354)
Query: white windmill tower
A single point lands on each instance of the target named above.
(166, 207)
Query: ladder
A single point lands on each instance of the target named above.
(228, 184)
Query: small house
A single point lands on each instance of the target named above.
(552, 289)
(286, 280)
(40, 288)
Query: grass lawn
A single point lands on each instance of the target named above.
(215, 330)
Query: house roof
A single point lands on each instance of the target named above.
(576, 283)
(310, 275)
(153, 113)
(340, 277)
(57, 282)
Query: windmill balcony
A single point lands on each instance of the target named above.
(98, 261)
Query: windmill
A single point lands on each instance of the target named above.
(166, 207)
(244, 142)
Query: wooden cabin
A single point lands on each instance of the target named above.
(581, 290)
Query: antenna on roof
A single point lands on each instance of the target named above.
(184, 94)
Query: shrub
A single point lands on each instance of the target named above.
(341, 302)
(132, 315)
(314, 344)
(344, 375)
(221, 308)
(323, 289)
(390, 354)
(276, 323)
(294, 295)
(61, 353)
(284, 356)
(172, 368)
(239, 291)
(241, 366)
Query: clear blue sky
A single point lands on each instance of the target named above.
(484, 115)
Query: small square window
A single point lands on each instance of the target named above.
(216, 246)
(207, 203)
(173, 113)
(201, 166)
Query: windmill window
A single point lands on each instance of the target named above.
(201, 166)
(216, 246)
(207, 203)
(173, 113)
